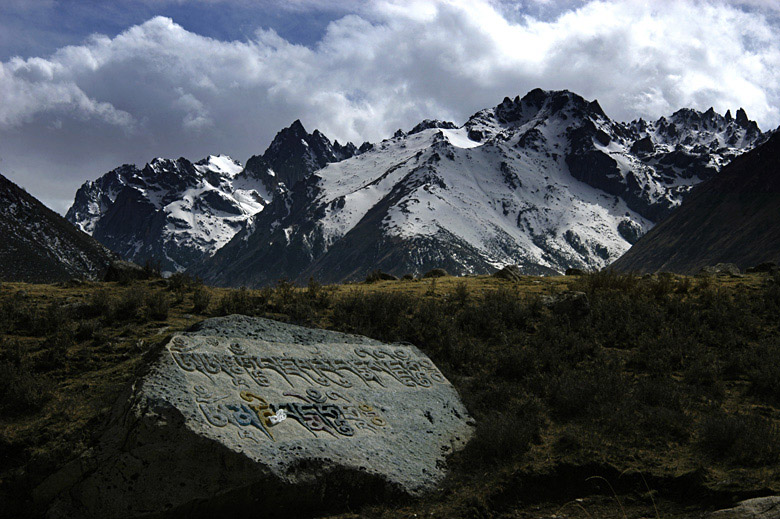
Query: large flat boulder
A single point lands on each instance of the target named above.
(244, 414)
(756, 508)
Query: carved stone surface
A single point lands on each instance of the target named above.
(241, 411)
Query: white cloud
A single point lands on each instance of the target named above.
(157, 89)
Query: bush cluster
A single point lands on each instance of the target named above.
(648, 368)
(21, 390)
(638, 369)
(283, 300)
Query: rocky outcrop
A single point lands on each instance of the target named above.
(573, 304)
(721, 269)
(378, 275)
(431, 123)
(510, 273)
(246, 415)
(767, 266)
(757, 508)
(125, 271)
(293, 155)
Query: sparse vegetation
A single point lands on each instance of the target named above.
(21, 391)
(157, 306)
(743, 440)
(201, 299)
(665, 374)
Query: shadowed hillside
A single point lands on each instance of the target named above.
(40, 246)
(733, 218)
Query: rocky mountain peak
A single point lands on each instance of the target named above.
(751, 127)
(688, 128)
(289, 139)
(170, 174)
(742, 118)
(294, 154)
(178, 211)
(431, 123)
(544, 105)
(344, 152)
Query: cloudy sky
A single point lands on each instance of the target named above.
(88, 85)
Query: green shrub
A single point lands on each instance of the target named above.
(504, 436)
(703, 370)
(519, 363)
(381, 315)
(20, 391)
(201, 299)
(182, 282)
(128, 306)
(685, 285)
(241, 301)
(283, 291)
(54, 317)
(661, 285)
(431, 290)
(662, 423)
(461, 293)
(153, 268)
(658, 405)
(157, 306)
(661, 391)
(299, 305)
(100, 304)
(11, 352)
(320, 296)
(54, 350)
(605, 280)
(764, 373)
(594, 391)
(740, 439)
(21, 315)
(771, 303)
(87, 329)
(496, 313)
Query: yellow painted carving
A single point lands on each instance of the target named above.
(262, 409)
(375, 418)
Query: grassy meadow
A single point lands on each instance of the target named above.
(662, 400)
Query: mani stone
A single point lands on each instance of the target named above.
(252, 415)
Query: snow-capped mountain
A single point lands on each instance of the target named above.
(178, 212)
(732, 218)
(40, 246)
(548, 182)
(174, 211)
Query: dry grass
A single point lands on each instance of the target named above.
(634, 386)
